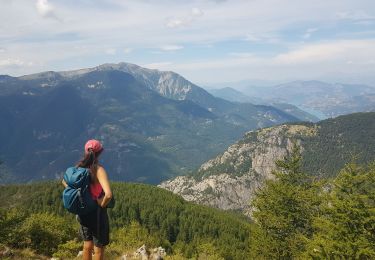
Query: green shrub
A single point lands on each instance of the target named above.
(10, 223)
(44, 232)
(68, 250)
(132, 237)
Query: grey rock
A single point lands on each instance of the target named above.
(229, 191)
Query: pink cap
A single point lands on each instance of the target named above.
(93, 144)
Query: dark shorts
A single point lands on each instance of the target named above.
(95, 227)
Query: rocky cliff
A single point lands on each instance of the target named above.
(230, 180)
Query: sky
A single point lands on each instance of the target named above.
(206, 41)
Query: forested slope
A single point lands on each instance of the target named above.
(295, 216)
(164, 218)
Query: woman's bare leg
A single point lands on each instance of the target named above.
(87, 250)
(98, 253)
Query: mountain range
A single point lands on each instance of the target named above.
(154, 124)
(234, 95)
(321, 99)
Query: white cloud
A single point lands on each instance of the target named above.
(262, 37)
(242, 54)
(128, 50)
(158, 65)
(355, 15)
(89, 25)
(325, 60)
(196, 12)
(184, 20)
(111, 51)
(175, 22)
(171, 47)
(252, 38)
(335, 51)
(14, 62)
(359, 17)
(45, 9)
(309, 32)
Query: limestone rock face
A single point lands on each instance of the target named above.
(222, 191)
(167, 83)
(230, 180)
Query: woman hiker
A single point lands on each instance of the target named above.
(94, 227)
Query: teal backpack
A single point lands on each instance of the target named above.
(76, 196)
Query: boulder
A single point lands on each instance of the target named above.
(158, 253)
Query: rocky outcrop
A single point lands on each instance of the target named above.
(5, 252)
(230, 180)
(166, 83)
(222, 191)
(144, 253)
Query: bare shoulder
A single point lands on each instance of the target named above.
(100, 168)
(103, 180)
(101, 171)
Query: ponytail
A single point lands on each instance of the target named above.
(89, 161)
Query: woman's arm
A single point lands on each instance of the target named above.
(64, 183)
(102, 176)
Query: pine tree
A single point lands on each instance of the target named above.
(346, 227)
(283, 211)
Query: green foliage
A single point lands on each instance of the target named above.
(143, 214)
(10, 225)
(208, 251)
(175, 256)
(295, 217)
(20, 254)
(68, 250)
(345, 228)
(41, 232)
(132, 236)
(174, 220)
(234, 168)
(249, 137)
(44, 232)
(229, 235)
(338, 141)
(284, 210)
(217, 169)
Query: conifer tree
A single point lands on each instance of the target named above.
(345, 229)
(283, 211)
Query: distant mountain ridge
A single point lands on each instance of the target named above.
(229, 180)
(154, 124)
(329, 99)
(166, 83)
(233, 95)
